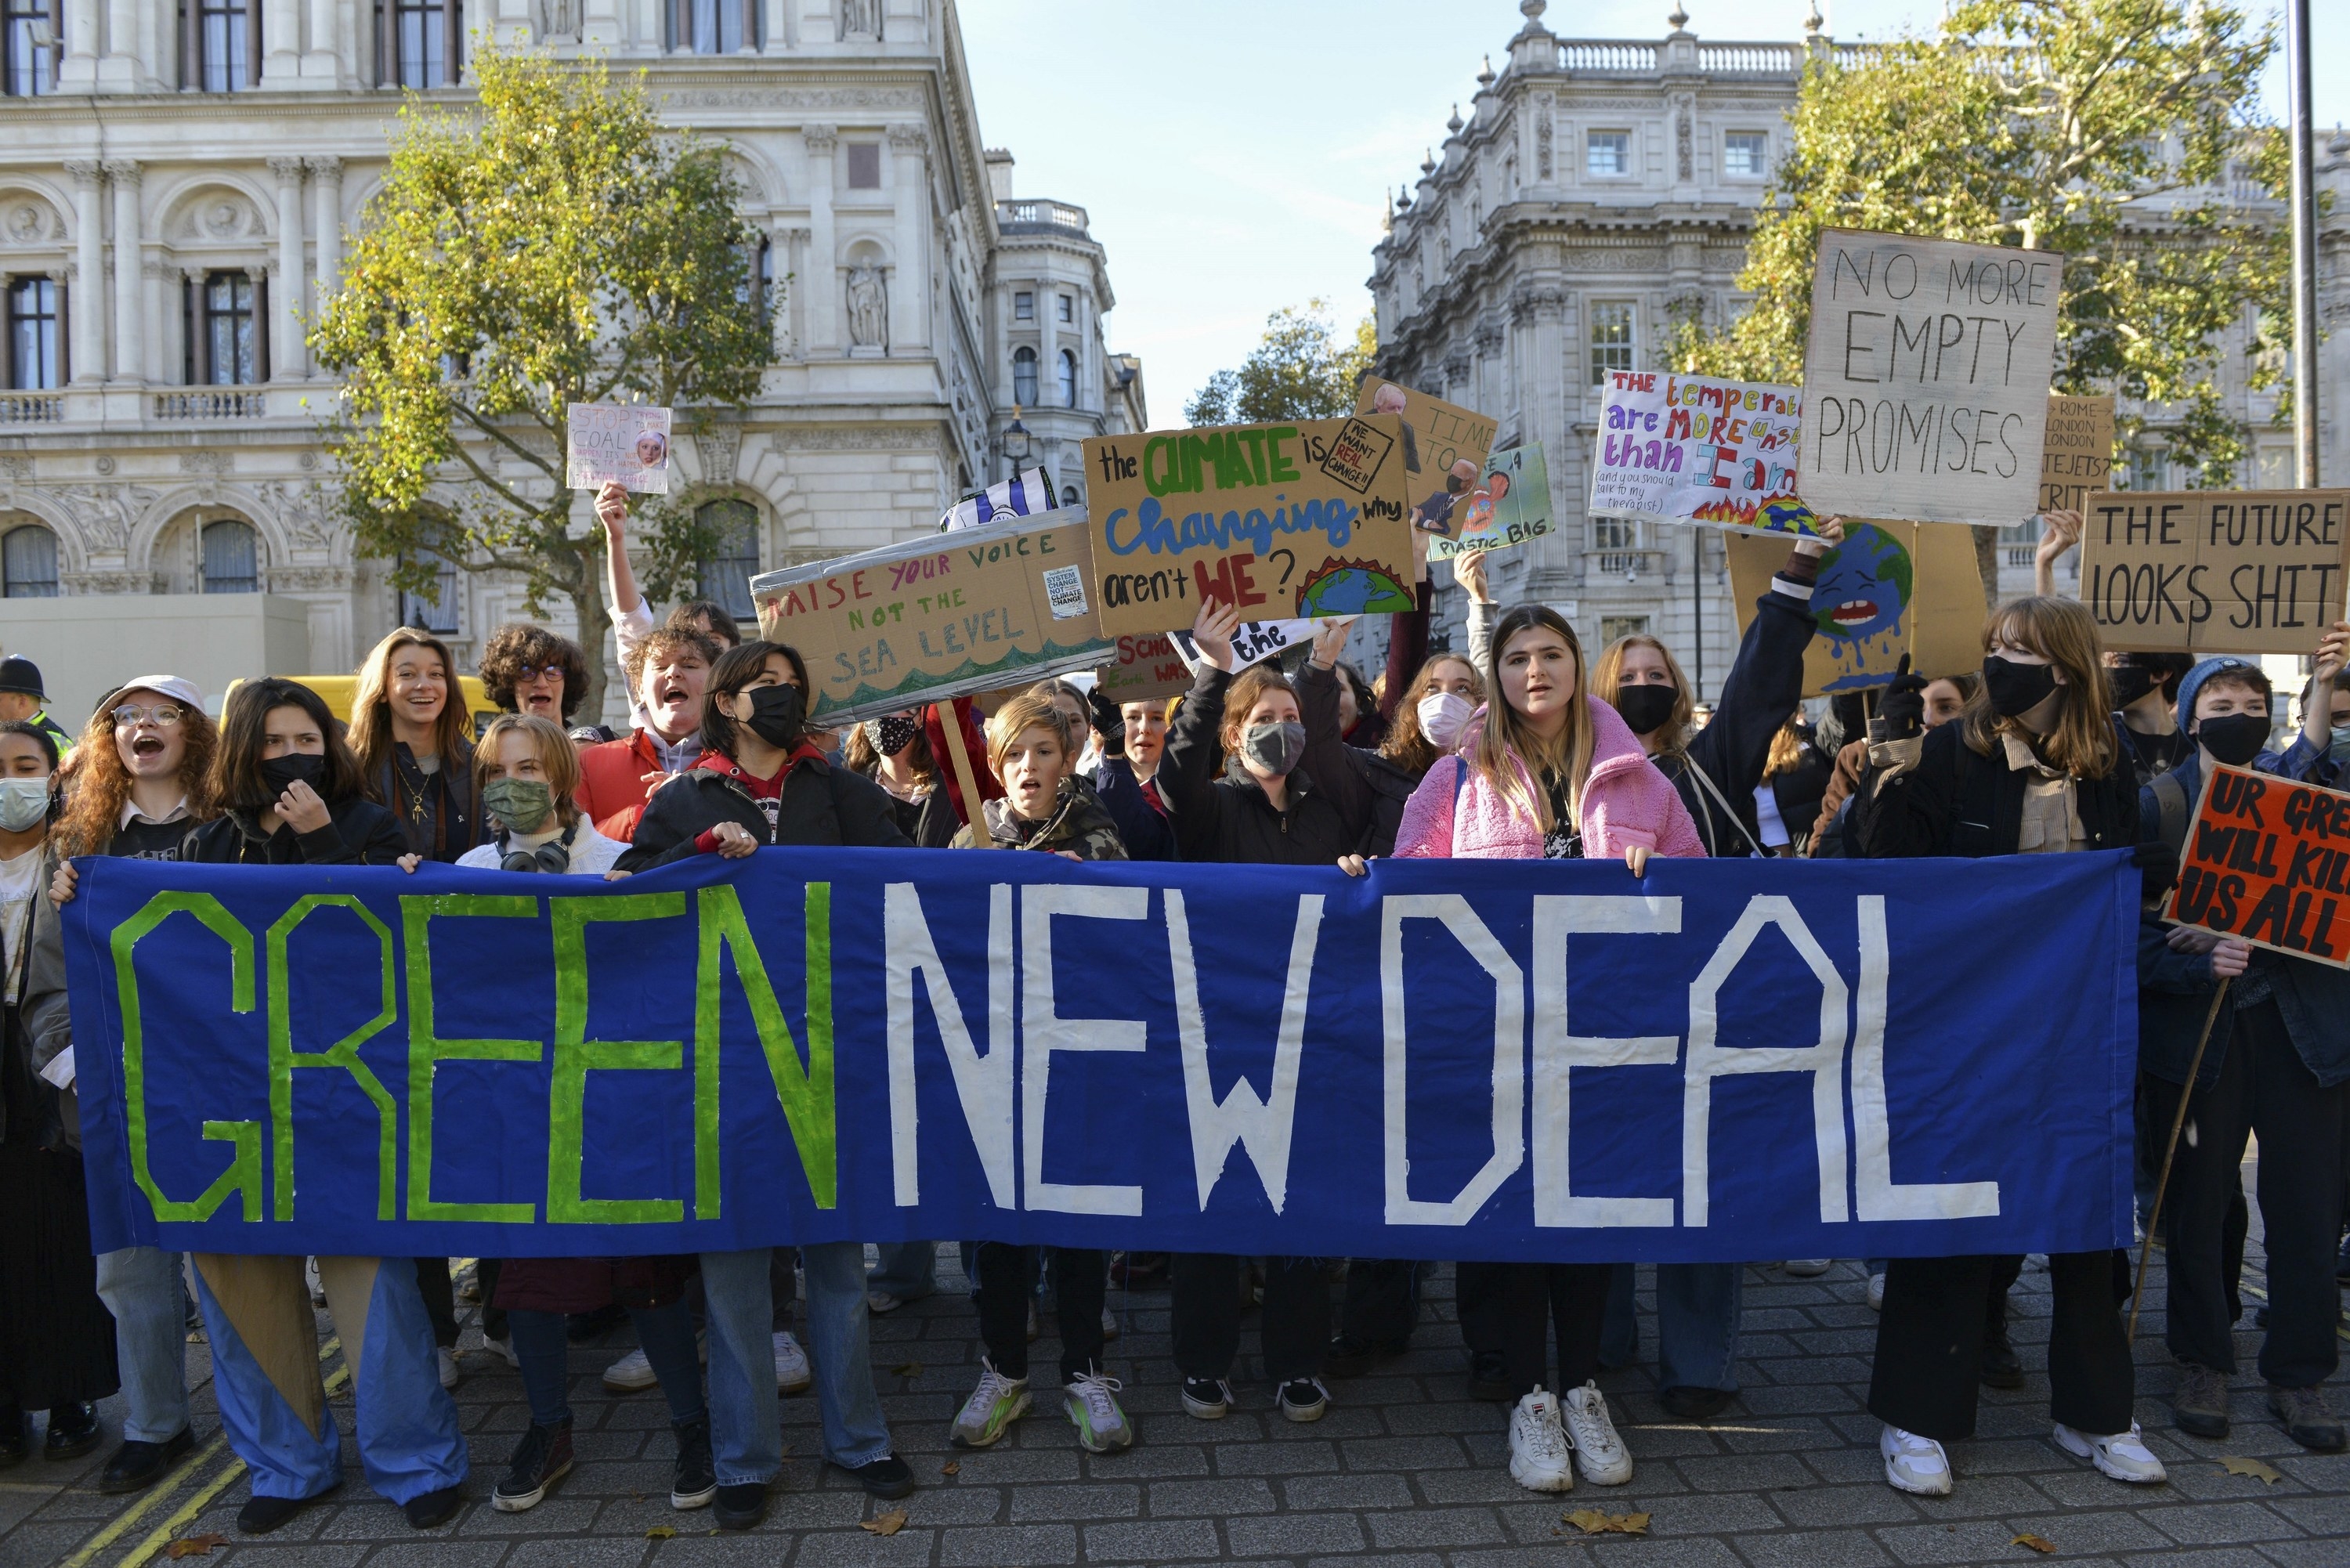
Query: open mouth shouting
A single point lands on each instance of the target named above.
(540, 702)
(146, 743)
(1854, 612)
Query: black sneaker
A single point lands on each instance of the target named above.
(13, 1445)
(1303, 1399)
(741, 1506)
(540, 1459)
(1489, 1377)
(695, 1480)
(438, 1508)
(2002, 1367)
(1351, 1356)
(136, 1466)
(73, 1431)
(1688, 1404)
(888, 1478)
(260, 1515)
(1207, 1398)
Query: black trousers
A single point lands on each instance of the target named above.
(1382, 1301)
(1510, 1310)
(440, 1300)
(1930, 1343)
(1007, 1281)
(493, 1317)
(2264, 1087)
(1206, 1316)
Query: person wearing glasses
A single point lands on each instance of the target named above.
(529, 669)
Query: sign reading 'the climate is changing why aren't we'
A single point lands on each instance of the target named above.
(1280, 520)
(1696, 449)
(2215, 571)
(1926, 377)
(2268, 861)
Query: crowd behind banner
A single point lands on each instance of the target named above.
(1524, 745)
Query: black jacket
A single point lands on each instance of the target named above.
(457, 823)
(1957, 802)
(1145, 830)
(822, 805)
(1760, 694)
(358, 832)
(1229, 819)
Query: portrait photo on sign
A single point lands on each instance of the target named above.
(617, 444)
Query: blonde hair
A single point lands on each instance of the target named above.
(1608, 674)
(1508, 754)
(556, 754)
(1032, 710)
(370, 731)
(2062, 631)
(1786, 749)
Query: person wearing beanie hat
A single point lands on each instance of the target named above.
(22, 699)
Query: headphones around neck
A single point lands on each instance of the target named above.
(553, 857)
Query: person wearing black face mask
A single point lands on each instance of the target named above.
(2146, 688)
(290, 789)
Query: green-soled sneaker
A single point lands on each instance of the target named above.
(992, 1407)
(1092, 1404)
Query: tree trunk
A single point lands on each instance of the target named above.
(1987, 561)
(595, 626)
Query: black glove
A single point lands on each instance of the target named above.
(1901, 712)
(1108, 722)
(2157, 869)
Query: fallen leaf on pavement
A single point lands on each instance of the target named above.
(951, 1468)
(194, 1546)
(2037, 1543)
(2237, 1465)
(660, 1533)
(1591, 1521)
(888, 1523)
(907, 1369)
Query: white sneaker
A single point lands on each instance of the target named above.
(1091, 1403)
(2124, 1456)
(1913, 1464)
(630, 1373)
(880, 1302)
(1599, 1453)
(1110, 1326)
(503, 1350)
(792, 1373)
(1303, 1399)
(1807, 1268)
(1539, 1458)
(992, 1407)
(449, 1372)
(1877, 1292)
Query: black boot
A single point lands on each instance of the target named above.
(73, 1431)
(136, 1466)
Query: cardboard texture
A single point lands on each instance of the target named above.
(2267, 861)
(1890, 588)
(944, 617)
(1295, 520)
(1698, 449)
(1253, 642)
(1511, 506)
(2076, 460)
(1926, 377)
(1438, 437)
(617, 444)
(1144, 666)
(2215, 571)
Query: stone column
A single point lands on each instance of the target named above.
(322, 62)
(265, 321)
(286, 297)
(79, 71)
(130, 336)
(86, 302)
(599, 23)
(118, 68)
(326, 225)
(909, 184)
(823, 277)
(160, 279)
(790, 245)
(196, 353)
(281, 41)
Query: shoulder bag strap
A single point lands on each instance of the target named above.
(1706, 784)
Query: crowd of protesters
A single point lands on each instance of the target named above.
(1520, 746)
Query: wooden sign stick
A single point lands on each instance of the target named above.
(965, 780)
(2170, 1153)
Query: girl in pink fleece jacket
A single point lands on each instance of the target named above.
(1545, 772)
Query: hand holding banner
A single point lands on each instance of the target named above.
(619, 444)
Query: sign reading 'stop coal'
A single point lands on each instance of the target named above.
(1926, 377)
(1280, 520)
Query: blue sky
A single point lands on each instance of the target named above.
(1233, 154)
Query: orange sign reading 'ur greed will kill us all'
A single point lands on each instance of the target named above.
(2267, 861)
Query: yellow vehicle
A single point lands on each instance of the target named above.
(339, 690)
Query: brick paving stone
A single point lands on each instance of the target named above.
(1212, 1499)
(1434, 1527)
(1293, 1534)
(909, 1548)
(1150, 1541)
(1810, 1549)
(2216, 1557)
(1007, 1545)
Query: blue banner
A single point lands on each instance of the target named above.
(1727, 1060)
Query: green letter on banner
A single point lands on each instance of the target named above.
(806, 1092)
(425, 1049)
(343, 1053)
(576, 1056)
(243, 1175)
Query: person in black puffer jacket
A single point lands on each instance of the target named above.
(289, 788)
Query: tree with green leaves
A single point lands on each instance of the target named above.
(553, 245)
(2122, 133)
(1302, 369)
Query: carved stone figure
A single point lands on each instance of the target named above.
(860, 18)
(868, 309)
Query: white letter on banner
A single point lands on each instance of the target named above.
(1042, 1031)
(1708, 1061)
(1509, 1057)
(984, 1084)
(1263, 1125)
(1879, 1198)
(1557, 1053)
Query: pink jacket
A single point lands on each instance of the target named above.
(1626, 802)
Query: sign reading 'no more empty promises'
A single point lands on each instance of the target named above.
(1926, 377)
(2215, 571)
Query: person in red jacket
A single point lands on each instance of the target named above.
(668, 672)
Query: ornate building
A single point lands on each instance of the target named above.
(1599, 186)
(177, 178)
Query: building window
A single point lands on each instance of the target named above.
(1069, 378)
(35, 344)
(1615, 534)
(224, 331)
(864, 166)
(1024, 377)
(1611, 338)
(1068, 308)
(725, 576)
(434, 610)
(1608, 153)
(1024, 306)
(1068, 496)
(29, 67)
(714, 26)
(228, 558)
(28, 563)
(219, 45)
(1612, 626)
(1746, 154)
(2149, 468)
(419, 42)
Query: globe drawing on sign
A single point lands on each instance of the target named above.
(1864, 585)
(1353, 588)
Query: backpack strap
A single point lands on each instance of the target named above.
(1705, 783)
(2170, 798)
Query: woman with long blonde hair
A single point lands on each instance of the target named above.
(414, 739)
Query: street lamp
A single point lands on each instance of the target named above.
(1016, 442)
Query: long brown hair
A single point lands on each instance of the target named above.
(1608, 674)
(1508, 754)
(1247, 690)
(1407, 745)
(2062, 631)
(371, 731)
(93, 813)
(863, 757)
(236, 780)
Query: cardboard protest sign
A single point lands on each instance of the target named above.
(617, 444)
(2215, 571)
(1444, 447)
(1143, 666)
(1698, 449)
(2076, 460)
(920, 622)
(1510, 507)
(1304, 519)
(1889, 588)
(1926, 377)
(1253, 642)
(2267, 861)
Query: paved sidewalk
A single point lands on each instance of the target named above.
(1404, 1468)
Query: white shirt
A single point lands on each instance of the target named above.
(1767, 817)
(130, 811)
(592, 853)
(20, 879)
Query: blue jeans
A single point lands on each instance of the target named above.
(1697, 1311)
(666, 1333)
(908, 1269)
(140, 1286)
(745, 1425)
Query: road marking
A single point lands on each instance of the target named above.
(166, 1532)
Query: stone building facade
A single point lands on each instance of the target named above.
(177, 181)
(1595, 188)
